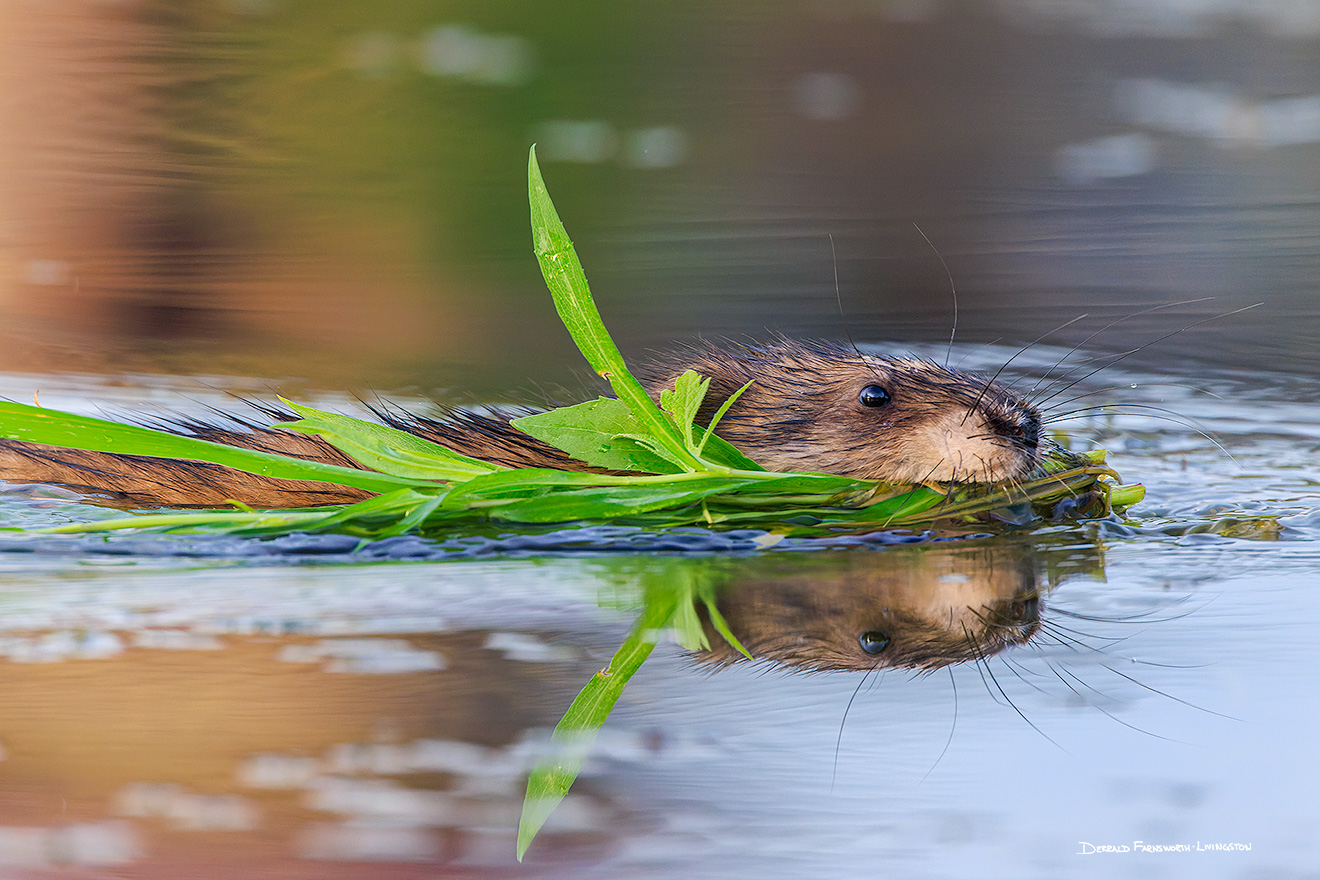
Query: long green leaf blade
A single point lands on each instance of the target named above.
(573, 736)
(387, 449)
(568, 286)
(34, 424)
(608, 502)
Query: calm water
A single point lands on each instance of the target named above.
(329, 199)
(303, 708)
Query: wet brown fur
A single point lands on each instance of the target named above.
(801, 413)
(934, 606)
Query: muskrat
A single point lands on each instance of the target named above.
(923, 607)
(813, 406)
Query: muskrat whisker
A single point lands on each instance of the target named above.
(923, 481)
(843, 320)
(1169, 695)
(1048, 633)
(838, 742)
(1017, 671)
(1075, 644)
(1141, 617)
(1195, 388)
(1004, 366)
(979, 665)
(1082, 634)
(1048, 628)
(990, 672)
(1105, 362)
(1075, 638)
(1023, 670)
(1056, 479)
(978, 613)
(1143, 348)
(1014, 488)
(1105, 711)
(953, 725)
(1059, 671)
(952, 289)
(1108, 326)
(986, 468)
(1165, 414)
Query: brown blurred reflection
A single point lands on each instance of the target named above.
(134, 233)
(186, 756)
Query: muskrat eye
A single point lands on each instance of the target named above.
(873, 641)
(873, 395)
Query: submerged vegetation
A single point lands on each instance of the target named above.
(659, 468)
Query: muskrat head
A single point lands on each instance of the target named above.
(919, 607)
(827, 408)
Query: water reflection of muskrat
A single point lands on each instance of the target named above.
(918, 608)
(811, 407)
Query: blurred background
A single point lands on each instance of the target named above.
(336, 190)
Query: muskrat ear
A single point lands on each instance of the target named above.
(873, 395)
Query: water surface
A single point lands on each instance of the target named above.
(326, 200)
(309, 707)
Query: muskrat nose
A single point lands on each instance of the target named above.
(1029, 424)
(1025, 610)
(1022, 426)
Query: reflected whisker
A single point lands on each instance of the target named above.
(953, 725)
(838, 742)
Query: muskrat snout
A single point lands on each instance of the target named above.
(826, 408)
(1022, 427)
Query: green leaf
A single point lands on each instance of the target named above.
(1125, 495)
(610, 502)
(593, 431)
(905, 506)
(686, 626)
(684, 401)
(551, 779)
(827, 485)
(647, 454)
(715, 448)
(512, 485)
(722, 627)
(386, 449)
(34, 424)
(568, 286)
(390, 508)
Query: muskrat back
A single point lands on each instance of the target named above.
(812, 406)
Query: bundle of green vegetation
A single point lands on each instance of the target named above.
(659, 468)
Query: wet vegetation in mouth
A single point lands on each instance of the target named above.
(659, 468)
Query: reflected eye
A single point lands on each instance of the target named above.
(873, 395)
(873, 641)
